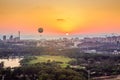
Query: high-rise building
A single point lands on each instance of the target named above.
(4, 38)
(11, 37)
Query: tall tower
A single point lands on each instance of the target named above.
(4, 38)
(19, 34)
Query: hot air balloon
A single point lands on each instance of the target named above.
(40, 30)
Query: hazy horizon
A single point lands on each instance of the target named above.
(57, 36)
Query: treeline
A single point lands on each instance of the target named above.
(42, 71)
(98, 64)
(22, 51)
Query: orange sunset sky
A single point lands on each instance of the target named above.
(60, 16)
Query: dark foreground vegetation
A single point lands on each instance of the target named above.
(98, 64)
(91, 65)
(95, 64)
(42, 71)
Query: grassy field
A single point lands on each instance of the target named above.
(45, 58)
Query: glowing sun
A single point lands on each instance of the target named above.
(66, 34)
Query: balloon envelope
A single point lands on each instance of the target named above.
(40, 30)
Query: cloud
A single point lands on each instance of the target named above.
(60, 20)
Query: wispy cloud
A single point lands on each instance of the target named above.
(60, 20)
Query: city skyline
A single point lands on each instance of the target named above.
(60, 17)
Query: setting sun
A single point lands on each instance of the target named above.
(67, 34)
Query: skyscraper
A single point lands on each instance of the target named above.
(4, 37)
(11, 37)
